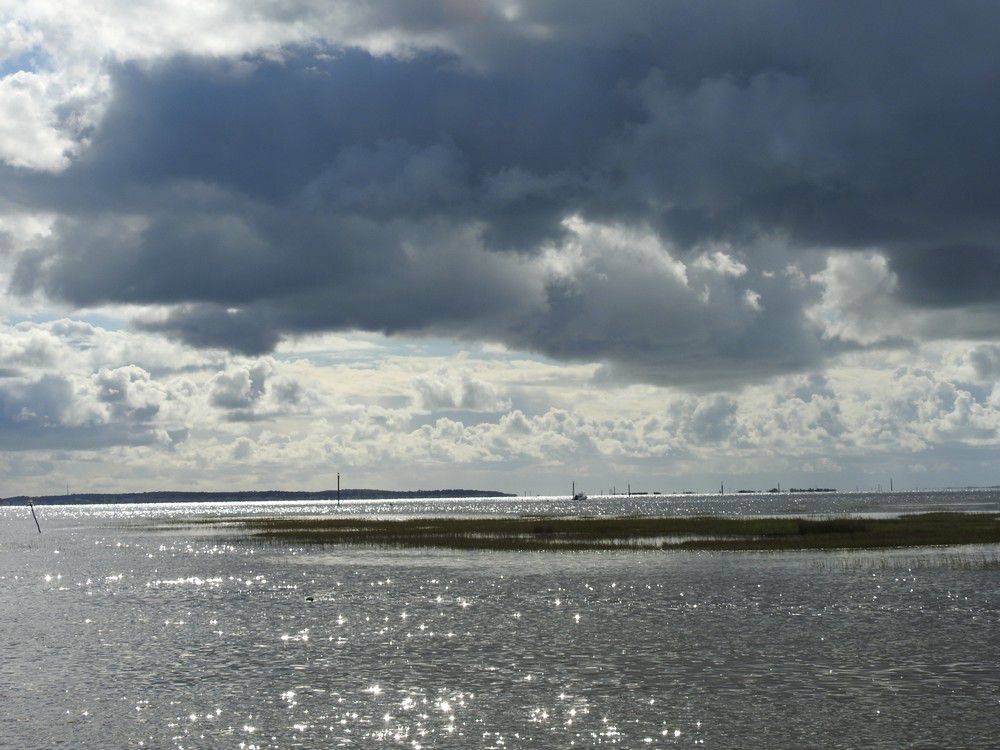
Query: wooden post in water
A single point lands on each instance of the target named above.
(338, 489)
(32, 506)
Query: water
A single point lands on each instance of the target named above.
(124, 636)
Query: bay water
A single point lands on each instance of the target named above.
(122, 631)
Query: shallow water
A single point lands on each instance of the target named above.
(120, 636)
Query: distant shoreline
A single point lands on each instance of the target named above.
(168, 496)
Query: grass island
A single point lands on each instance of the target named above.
(640, 533)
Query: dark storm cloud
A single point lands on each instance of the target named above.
(269, 130)
(332, 189)
(952, 276)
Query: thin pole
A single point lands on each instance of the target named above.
(338, 489)
(32, 506)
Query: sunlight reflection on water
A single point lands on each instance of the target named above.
(125, 637)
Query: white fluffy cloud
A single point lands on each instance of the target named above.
(447, 389)
(857, 303)
(31, 134)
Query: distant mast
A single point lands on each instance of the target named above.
(722, 488)
(338, 489)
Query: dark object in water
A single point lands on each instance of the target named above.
(32, 506)
(310, 599)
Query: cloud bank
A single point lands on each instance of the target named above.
(567, 179)
(130, 411)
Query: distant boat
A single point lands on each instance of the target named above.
(578, 496)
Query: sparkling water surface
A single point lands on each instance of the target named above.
(123, 634)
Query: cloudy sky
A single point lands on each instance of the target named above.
(498, 244)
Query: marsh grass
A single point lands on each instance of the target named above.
(895, 562)
(588, 533)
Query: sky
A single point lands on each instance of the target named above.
(494, 244)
